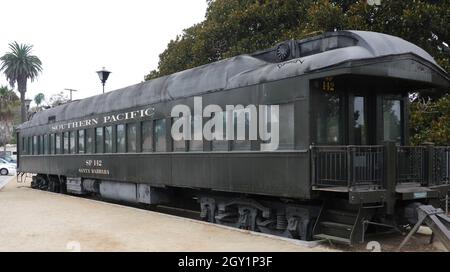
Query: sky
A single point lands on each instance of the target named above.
(74, 39)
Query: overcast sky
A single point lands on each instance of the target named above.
(74, 39)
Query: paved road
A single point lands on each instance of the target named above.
(32, 220)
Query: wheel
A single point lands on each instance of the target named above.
(4, 172)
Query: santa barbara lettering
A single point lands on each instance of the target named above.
(112, 118)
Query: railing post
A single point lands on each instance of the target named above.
(313, 166)
(390, 175)
(349, 167)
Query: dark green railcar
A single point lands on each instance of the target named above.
(343, 162)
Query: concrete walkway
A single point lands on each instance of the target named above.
(32, 220)
(4, 180)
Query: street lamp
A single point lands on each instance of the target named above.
(103, 75)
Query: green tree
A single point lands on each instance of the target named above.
(19, 65)
(58, 99)
(233, 27)
(9, 102)
(430, 121)
(39, 98)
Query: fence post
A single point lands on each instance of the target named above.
(390, 175)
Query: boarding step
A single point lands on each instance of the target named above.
(341, 222)
(341, 216)
(332, 238)
(337, 225)
(334, 189)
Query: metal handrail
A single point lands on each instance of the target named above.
(348, 166)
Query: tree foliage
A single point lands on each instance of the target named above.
(9, 104)
(19, 66)
(58, 99)
(39, 98)
(233, 27)
(430, 121)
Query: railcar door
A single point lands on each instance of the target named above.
(359, 125)
(376, 118)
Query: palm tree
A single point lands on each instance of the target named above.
(39, 98)
(19, 66)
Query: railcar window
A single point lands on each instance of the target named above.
(81, 141)
(41, 144)
(241, 117)
(196, 145)
(321, 45)
(147, 136)
(24, 150)
(108, 139)
(159, 134)
(220, 142)
(30, 145)
(52, 143)
(286, 126)
(284, 120)
(131, 138)
(329, 114)
(58, 143)
(178, 145)
(72, 147)
(121, 148)
(392, 120)
(99, 140)
(66, 142)
(360, 127)
(35, 145)
(89, 141)
(310, 48)
(46, 144)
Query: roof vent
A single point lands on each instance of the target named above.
(283, 51)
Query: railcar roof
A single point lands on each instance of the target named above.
(231, 73)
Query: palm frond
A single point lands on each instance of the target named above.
(19, 65)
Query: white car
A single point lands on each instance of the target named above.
(7, 169)
(7, 162)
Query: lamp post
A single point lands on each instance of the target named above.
(103, 75)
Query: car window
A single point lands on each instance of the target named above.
(6, 160)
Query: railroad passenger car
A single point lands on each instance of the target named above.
(343, 165)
